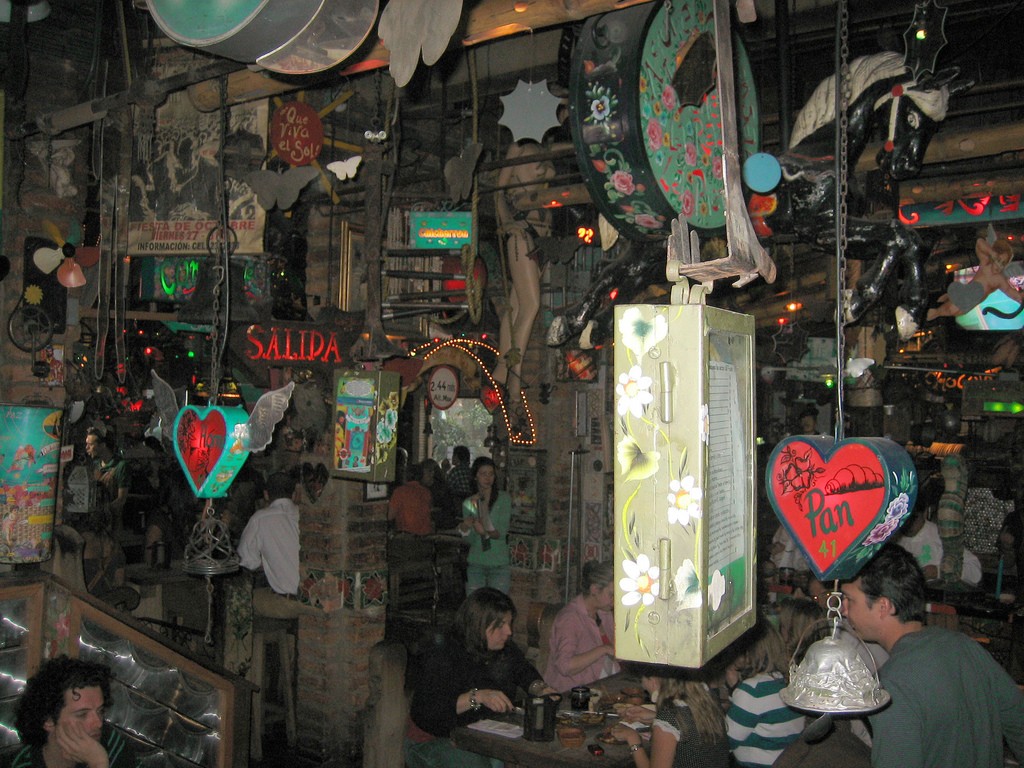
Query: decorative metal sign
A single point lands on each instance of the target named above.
(840, 501)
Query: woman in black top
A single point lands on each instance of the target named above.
(473, 675)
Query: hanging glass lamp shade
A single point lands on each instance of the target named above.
(833, 678)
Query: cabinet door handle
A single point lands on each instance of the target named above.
(664, 567)
(668, 379)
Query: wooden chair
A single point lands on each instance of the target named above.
(388, 707)
(538, 631)
(268, 633)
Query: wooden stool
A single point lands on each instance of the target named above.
(267, 632)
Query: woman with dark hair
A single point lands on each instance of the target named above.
(582, 635)
(486, 516)
(474, 674)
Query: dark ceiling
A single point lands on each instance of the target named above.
(436, 109)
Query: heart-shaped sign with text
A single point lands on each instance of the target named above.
(208, 448)
(840, 501)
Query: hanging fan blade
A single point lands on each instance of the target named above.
(87, 255)
(75, 233)
(54, 232)
(47, 259)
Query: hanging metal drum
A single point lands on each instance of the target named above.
(293, 37)
(645, 116)
(29, 455)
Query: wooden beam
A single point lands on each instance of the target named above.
(960, 145)
(941, 190)
(485, 21)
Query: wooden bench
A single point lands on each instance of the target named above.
(538, 632)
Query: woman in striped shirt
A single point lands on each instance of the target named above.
(759, 725)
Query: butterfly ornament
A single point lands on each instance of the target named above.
(345, 169)
(212, 443)
(280, 190)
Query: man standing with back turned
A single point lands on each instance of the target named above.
(952, 704)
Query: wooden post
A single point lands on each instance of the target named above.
(388, 707)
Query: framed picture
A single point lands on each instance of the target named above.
(352, 269)
(527, 483)
(375, 491)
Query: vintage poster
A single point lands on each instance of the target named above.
(175, 197)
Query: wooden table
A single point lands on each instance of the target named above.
(153, 585)
(520, 753)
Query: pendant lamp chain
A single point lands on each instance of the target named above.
(842, 101)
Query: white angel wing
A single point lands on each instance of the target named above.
(268, 411)
(345, 169)
(166, 408)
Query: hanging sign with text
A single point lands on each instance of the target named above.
(840, 501)
(296, 133)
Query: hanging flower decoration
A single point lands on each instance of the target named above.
(717, 590)
(634, 391)
(898, 509)
(683, 501)
(641, 581)
(635, 463)
(639, 334)
(687, 584)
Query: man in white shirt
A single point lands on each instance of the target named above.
(270, 543)
(920, 537)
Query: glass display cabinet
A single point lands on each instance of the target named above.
(176, 710)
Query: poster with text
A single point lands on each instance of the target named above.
(175, 199)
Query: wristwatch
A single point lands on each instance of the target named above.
(473, 703)
(635, 747)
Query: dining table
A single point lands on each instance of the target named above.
(518, 752)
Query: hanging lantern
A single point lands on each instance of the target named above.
(832, 678)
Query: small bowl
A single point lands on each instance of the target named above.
(571, 736)
(591, 718)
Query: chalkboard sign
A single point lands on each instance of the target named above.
(527, 485)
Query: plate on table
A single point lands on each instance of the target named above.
(606, 737)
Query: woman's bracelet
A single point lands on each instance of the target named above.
(636, 747)
(473, 703)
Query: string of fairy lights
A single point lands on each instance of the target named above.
(471, 348)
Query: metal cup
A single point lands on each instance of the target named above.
(580, 698)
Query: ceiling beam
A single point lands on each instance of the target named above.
(484, 22)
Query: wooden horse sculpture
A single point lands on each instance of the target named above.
(803, 204)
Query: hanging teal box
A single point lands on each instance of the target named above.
(365, 425)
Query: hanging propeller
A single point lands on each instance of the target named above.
(69, 257)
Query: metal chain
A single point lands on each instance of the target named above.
(842, 190)
(223, 255)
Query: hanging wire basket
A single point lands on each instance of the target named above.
(209, 551)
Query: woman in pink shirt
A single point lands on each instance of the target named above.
(583, 635)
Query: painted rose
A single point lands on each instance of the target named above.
(647, 221)
(623, 182)
(669, 100)
(881, 532)
(716, 167)
(687, 203)
(655, 135)
(898, 507)
(690, 153)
